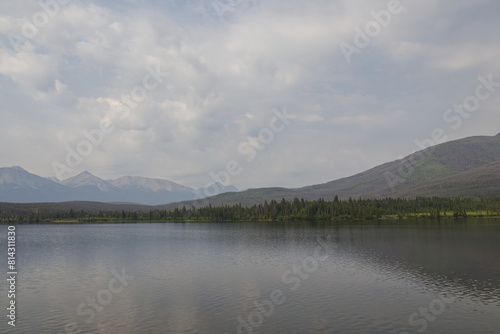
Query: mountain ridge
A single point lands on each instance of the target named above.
(19, 186)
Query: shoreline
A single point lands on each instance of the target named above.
(92, 220)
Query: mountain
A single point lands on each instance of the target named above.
(89, 181)
(464, 167)
(144, 190)
(87, 187)
(415, 174)
(19, 186)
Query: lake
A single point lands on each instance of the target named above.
(350, 277)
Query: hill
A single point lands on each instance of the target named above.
(464, 167)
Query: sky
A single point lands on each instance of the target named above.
(255, 93)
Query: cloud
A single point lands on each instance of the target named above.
(225, 77)
(32, 71)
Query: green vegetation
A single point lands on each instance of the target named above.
(297, 209)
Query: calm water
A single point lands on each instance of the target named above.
(222, 278)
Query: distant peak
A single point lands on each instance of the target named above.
(498, 135)
(82, 176)
(85, 173)
(18, 168)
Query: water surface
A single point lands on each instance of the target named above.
(358, 277)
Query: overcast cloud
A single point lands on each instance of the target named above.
(227, 72)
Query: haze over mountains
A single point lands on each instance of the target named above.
(19, 186)
(465, 167)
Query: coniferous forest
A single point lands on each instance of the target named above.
(298, 209)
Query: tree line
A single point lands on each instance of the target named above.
(296, 209)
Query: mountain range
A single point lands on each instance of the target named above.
(464, 167)
(19, 186)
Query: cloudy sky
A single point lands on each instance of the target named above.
(223, 69)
